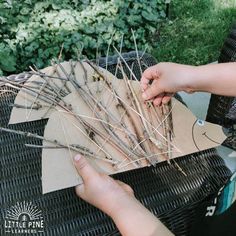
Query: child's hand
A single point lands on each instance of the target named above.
(116, 199)
(167, 79)
(99, 189)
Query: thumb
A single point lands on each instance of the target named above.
(149, 74)
(152, 91)
(85, 170)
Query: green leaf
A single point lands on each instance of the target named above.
(35, 30)
(24, 11)
(8, 63)
(150, 17)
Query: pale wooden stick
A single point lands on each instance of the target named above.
(136, 49)
(55, 142)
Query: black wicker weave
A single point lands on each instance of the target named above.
(222, 109)
(170, 195)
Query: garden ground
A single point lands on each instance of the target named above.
(195, 31)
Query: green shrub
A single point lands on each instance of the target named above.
(32, 32)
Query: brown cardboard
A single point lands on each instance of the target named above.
(23, 98)
(58, 171)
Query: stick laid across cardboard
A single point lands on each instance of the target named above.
(93, 113)
(114, 148)
(38, 96)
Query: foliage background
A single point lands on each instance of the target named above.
(195, 31)
(32, 31)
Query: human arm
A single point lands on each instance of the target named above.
(116, 199)
(169, 78)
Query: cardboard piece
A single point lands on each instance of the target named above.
(114, 130)
(189, 135)
(36, 83)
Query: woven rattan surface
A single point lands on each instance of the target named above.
(169, 194)
(222, 109)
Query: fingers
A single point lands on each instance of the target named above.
(149, 74)
(163, 99)
(157, 101)
(152, 91)
(144, 84)
(85, 170)
(166, 99)
(79, 189)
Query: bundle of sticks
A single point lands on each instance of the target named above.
(114, 125)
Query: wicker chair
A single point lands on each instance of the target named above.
(170, 195)
(222, 109)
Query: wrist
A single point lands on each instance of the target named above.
(115, 202)
(130, 213)
(128, 208)
(120, 205)
(191, 79)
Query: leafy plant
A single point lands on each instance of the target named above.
(195, 31)
(7, 62)
(34, 31)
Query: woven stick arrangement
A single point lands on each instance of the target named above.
(117, 111)
(93, 113)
